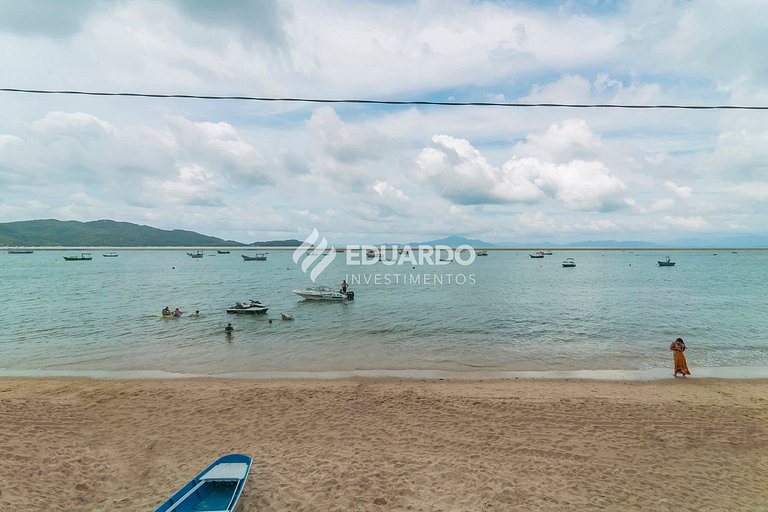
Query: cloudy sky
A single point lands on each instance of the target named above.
(253, 171)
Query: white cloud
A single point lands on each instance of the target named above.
(387, 191)
(695, 223)
(460, 173)
(681, 191)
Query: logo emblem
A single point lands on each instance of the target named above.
(312, 254)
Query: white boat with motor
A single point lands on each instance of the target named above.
(248, 307)
(324, 293)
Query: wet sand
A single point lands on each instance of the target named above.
(385, 444)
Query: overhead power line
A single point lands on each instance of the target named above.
(386, 102)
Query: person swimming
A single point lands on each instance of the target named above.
(166, 311)
(177, 312)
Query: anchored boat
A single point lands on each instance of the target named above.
(666, 263)
(84, 256)
(569, 262)
(217, 488)
(259, 256)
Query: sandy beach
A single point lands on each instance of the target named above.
(371, 444)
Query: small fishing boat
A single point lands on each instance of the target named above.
(666, 263)
(222, 252)
(481, 253)
(84, 256)
(537, 255)
(546, 253)
(324, 293)
(20, 251)
(248, 307)
(259, 256)
(198, 254)
(110, 255)
(569, 263)
(217, 488)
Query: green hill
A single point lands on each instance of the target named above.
(101, 233)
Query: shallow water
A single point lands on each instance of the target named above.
(615, 311)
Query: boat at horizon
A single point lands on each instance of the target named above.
(20, 251)
(324, 293)
(481, 252)
(222, 252)
(198, 254)
(110, 255)
(667, 262)
(84, 256)
(537, 255)
(217, 488)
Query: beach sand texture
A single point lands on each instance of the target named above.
(382, 445)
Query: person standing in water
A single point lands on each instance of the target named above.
(344, 286)
(681, 366)
(228, 329)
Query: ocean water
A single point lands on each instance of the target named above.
(617, 310)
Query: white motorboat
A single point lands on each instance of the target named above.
(248, 307)
(569, 263)
(481, 252)
(324, 293)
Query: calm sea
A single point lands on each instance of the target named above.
(617, 310)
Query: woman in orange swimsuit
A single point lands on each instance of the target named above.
(678, 347)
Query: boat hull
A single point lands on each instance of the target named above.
(248, 311)
(666, 263)
(218, 487)
(325, 294)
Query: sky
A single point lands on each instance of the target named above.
(251, 171)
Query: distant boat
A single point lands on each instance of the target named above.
(217, 488)
(110, 255)
(84, 256)
(546, 253)
(259, 256)
(222, 252)
(734, 252)
(667, 262)
(569, 262)
(248, 307)
(286, 316)
(481, 253)
(324, 293)
(198, 254)
(538, 254)
(19, 251)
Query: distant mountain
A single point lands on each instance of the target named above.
(725, 241)
(455, 241)
(101, 233)
(278, 243)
